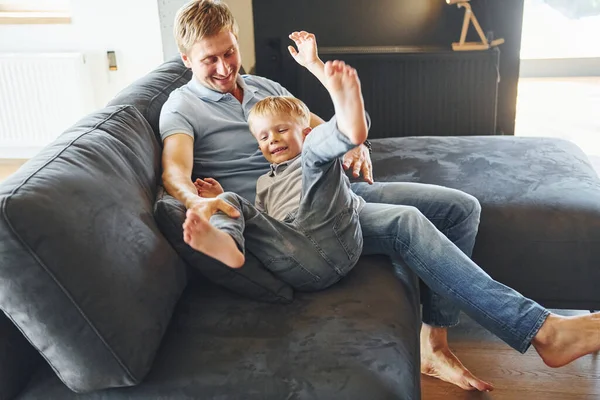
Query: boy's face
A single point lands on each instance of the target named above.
(215, 61)
(280, 137)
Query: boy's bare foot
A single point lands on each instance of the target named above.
(343, 85)
(438, 361)
(204, 237)
(562, 340)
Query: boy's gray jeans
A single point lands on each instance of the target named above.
(322, 241)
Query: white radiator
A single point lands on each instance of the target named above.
(40, 96)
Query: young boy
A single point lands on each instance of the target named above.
(305, 225)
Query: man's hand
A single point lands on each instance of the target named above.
(205, 208)
(208, 187)
(307, 53)
(360, 161)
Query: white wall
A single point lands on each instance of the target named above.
(131, 28)
(166, 12)
(242, 11)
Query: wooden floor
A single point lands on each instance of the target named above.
(8, 167)
(515, 376)
(566, 108)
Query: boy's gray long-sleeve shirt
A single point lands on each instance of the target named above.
(278, 192)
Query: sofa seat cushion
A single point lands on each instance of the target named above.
(356, 340)
(540, 198)
(85, 273)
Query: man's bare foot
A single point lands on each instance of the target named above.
(343, 85)
(204, 237)
(438, 361)
(562, 340)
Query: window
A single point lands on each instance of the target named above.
(35, 12)
(559, 29)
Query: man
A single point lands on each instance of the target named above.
(206, 34)
(205, 132)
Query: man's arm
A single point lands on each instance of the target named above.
(177, 163)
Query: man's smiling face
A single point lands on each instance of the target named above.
(280, 137)
(215, 61)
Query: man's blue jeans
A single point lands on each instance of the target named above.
(432, 230)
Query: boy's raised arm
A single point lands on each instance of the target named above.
(307, 54)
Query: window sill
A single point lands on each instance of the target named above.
(30, 17)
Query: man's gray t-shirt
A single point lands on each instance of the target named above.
(224, 148)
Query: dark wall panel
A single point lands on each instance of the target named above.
(385, 23)
(418, 94)
(505, 18)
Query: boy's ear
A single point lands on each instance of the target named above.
(306, 131)
(186, 60)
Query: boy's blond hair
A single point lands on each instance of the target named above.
(199, 19)
(280, 105)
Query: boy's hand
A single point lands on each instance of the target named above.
(307, 48)
(208, 187)
(360, 161)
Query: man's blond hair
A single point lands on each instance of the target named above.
(199, 19)
(280, 105)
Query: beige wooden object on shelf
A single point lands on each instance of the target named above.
(470, 17)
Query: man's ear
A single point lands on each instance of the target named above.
(306, 131)
(186, 60)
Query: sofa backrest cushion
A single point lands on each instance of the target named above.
(149, 93)
(85, 273)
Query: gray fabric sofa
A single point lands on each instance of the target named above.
(101, 299)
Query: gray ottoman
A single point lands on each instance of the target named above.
(540, 222)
